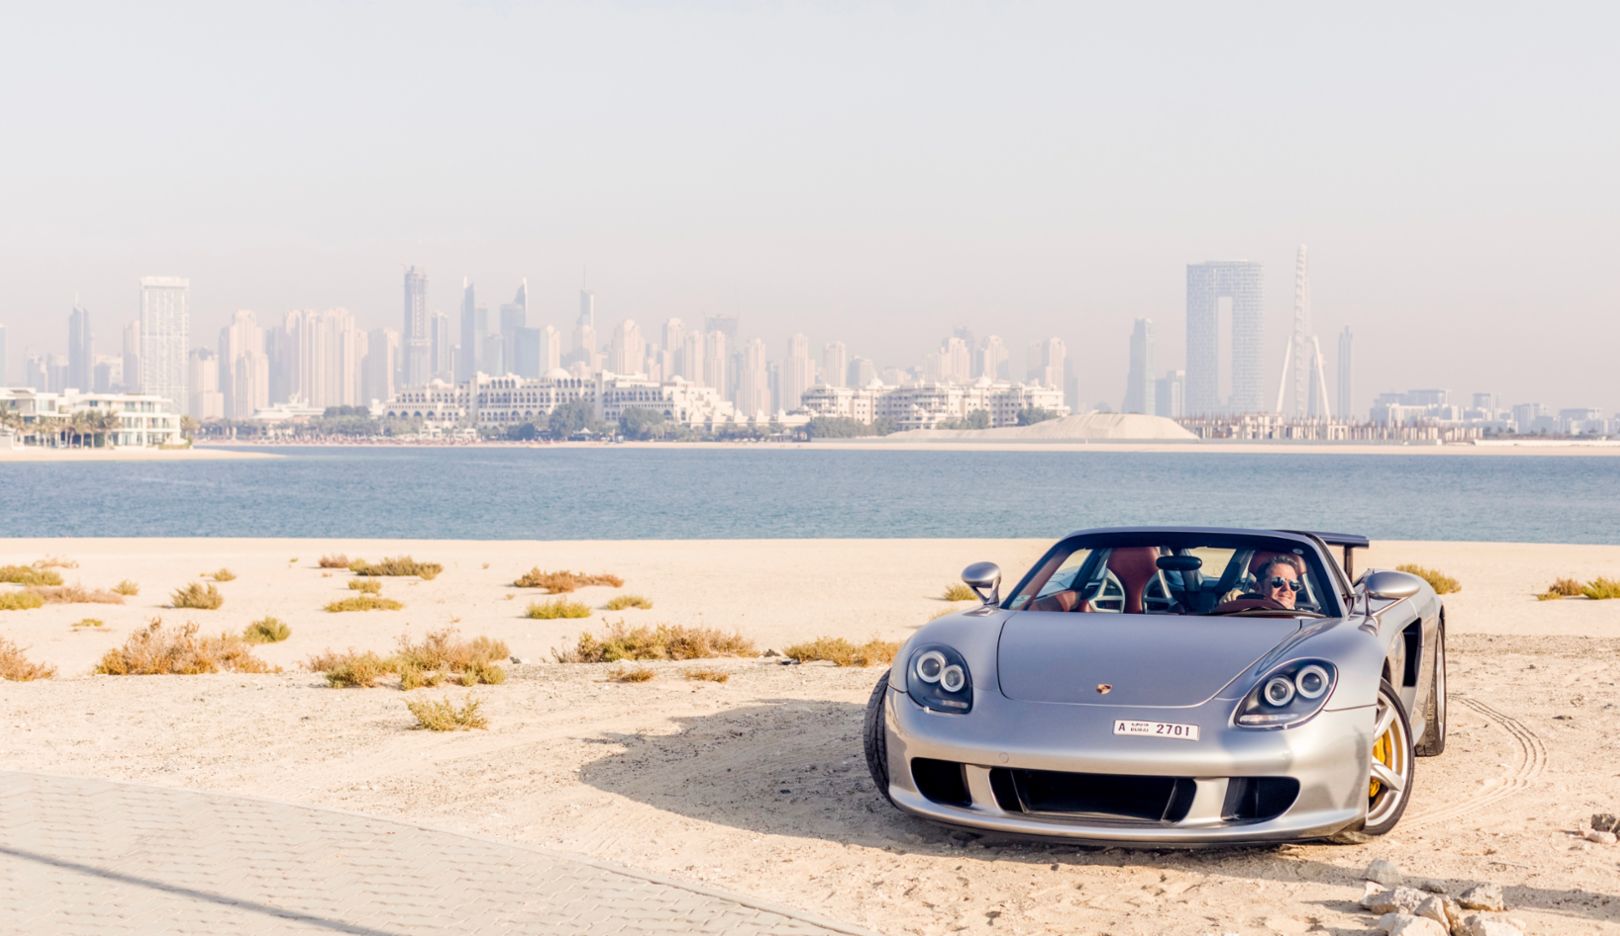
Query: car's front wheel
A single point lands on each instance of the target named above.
(1389, 768)
(877, 742)
(1434, 710)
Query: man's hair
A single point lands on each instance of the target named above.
(1288, 559)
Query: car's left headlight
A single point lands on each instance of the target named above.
(937, 678)
(1288, 695)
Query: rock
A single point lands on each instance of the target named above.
(1605, 822)
(1431, 885)
(1454, 913)
(1404, 924)
(1383, 872)
(1482, 897)
(1401, 899)
(1477, 924)
(770, 653)
(1601, 838)
(521, 661)
(1434, 909)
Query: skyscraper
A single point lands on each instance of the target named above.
(1047, 361)
(417, 341)
(382, 363)
(244, 371)
(514, 316)
(550, 350)
(753, 384)
(1139, 382)
(527, 347)
(627, 352)
(690, 365)
(443, 343)
(1168, 399)
(471, 336)
(325, 353)
(1209, 285)
(81, 348)
(585, 326)
(799, 374)
(1343, 374)
(835, 364)
(132, 357)
(165, 338)
(955, 359)
(205, 402)
(991, 358)
(716, 359)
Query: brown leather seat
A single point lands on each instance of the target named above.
(1259, 560)
(1066, 600)
(1135, 567)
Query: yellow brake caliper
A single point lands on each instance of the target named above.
(1381, 752)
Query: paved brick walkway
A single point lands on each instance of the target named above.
(87, 856)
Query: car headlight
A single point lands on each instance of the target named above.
(937, 678)
(1288, 695)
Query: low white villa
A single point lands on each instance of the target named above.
(33, 417)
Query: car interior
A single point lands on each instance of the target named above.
(1163, 579)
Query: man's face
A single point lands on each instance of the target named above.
(1279, 583)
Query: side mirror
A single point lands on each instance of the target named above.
(1392, 586)
(985, 580)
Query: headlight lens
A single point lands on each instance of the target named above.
(937, 678)
(1288, 695)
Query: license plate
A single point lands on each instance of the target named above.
(1156, 729)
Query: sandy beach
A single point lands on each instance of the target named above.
(757, 785)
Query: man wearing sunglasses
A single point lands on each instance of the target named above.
(1276, 587)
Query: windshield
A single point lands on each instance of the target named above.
(1179, 573)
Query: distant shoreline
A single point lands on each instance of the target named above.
(34, 454)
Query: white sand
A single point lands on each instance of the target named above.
(758, 785)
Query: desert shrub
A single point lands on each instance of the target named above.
(396, 566)
(631, 674)
(334, 561)
(179, 651)
(55, 562)
(127, 588)
(197, 595)
(266, 630)
(841, 652)
(1442, 583)
(558, 583)
(443, 715)
(364, 602)
(621, 602)
(78, 594)
(956, 591)
(1600, 589)
(89, 623)
(351, 670)
(29, 576)
(369, 586)
(222, 575)
(703, 674)
(559, 608)
(17, 667)
(1562, 588)
(664, 642)
(21, 600)
(438, 657)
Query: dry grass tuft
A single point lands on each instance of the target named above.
(442, 715)
(369, 586)
(197, 595)
(266, 630)
(78, 594)
(664, 642)
(16, 667)
(396, 566)
(438, 658)
(332, 561)
(55, 562)
(351, 670)
(559, 608)
(28, 576)
(631, 674)
(89, 623)
(558, 583)
(127, 588)
(1442, 583)
(159, 651)
(957, 591)
(703, 674)
(21, 600)
(364, 602)
(221, 575)
(841, 652)
(1601, 589)
(621, 602)
(1562, 588)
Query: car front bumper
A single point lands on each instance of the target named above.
(1327, 756)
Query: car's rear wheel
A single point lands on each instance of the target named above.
(1434, 711)
(877, 741)
(1389, 768)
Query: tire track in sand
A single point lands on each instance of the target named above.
(1532, 760)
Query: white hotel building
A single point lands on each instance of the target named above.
(506, 401)
(927, 405)
(143, 419)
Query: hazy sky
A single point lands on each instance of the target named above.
(875, 172)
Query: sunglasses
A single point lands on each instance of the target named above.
(1277, 581)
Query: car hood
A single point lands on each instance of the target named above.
(1149, 660)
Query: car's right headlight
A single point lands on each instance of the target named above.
(937, 678)
(1288, 695)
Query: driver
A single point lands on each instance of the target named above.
(1276, 587)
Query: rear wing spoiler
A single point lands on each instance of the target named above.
(1349, 542)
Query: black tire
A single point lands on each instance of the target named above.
(1434, 711)
(877, 740)
(1382, 814)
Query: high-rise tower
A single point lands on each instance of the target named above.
(1238, 283)
(415, 336)
(471, 338)
(81, 348)
(1139, 381)
(165, 338)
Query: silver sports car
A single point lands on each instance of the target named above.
(1170, 686)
